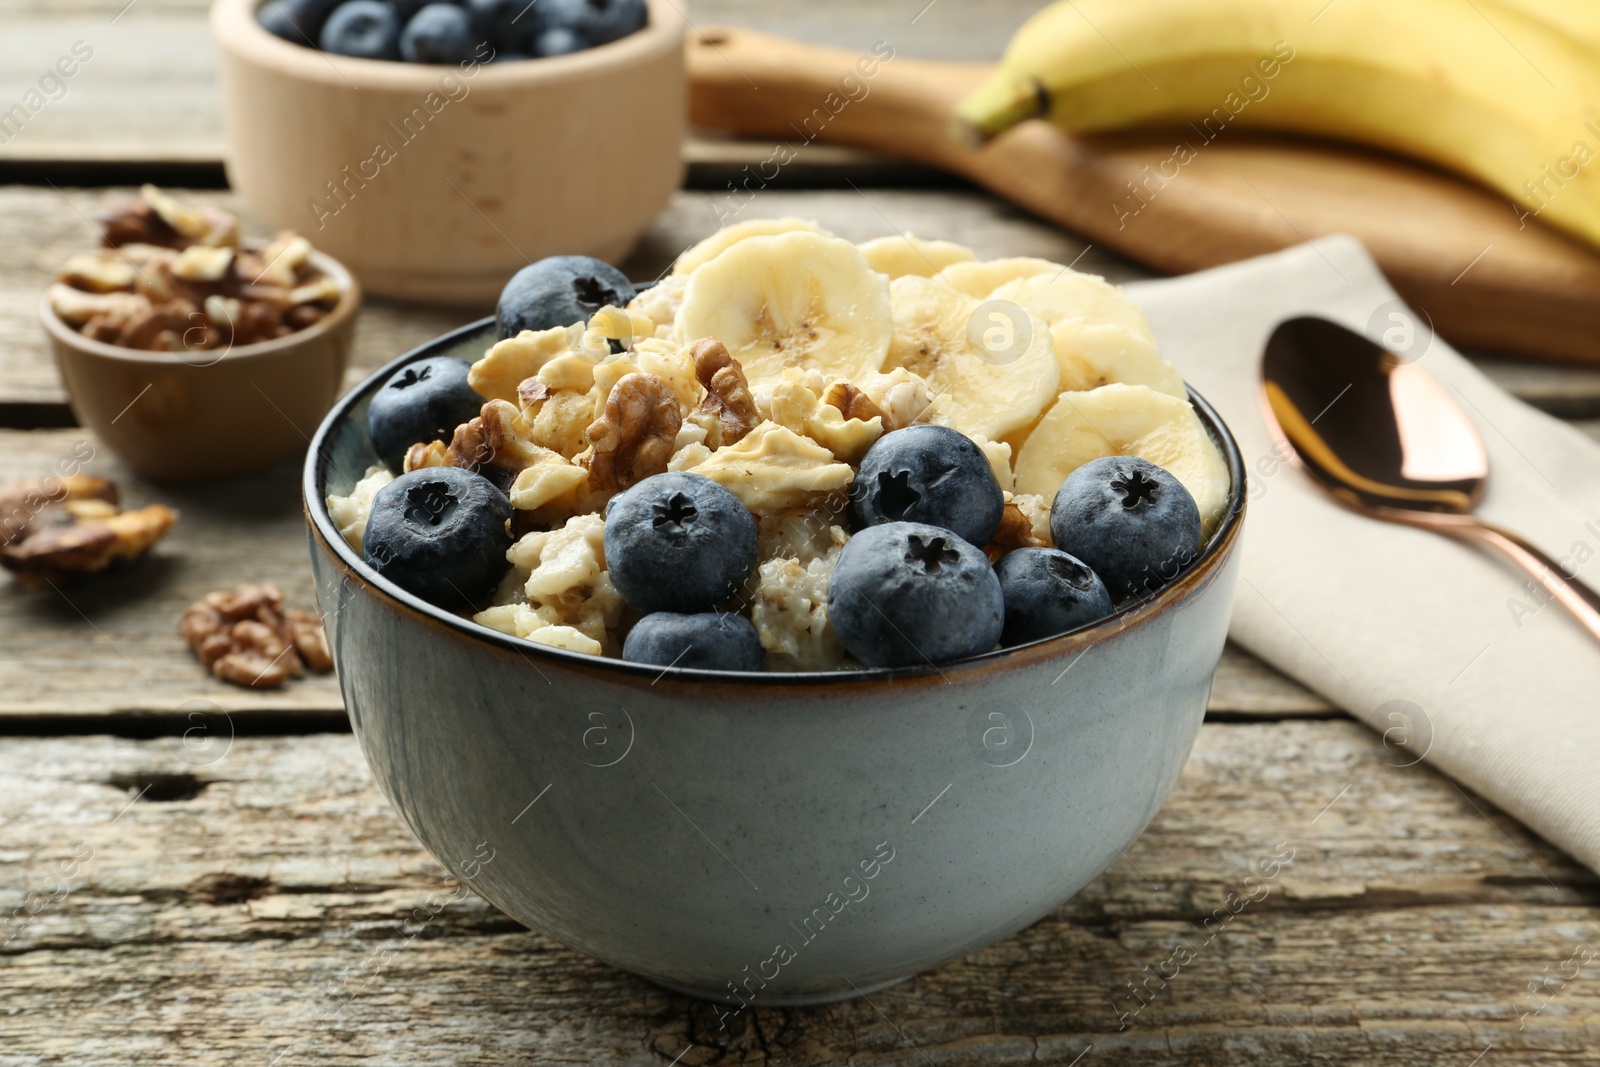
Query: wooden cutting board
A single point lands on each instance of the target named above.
(1453, 249)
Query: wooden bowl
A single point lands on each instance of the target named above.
(438, 182)
(198, 416)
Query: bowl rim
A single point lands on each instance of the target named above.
(348, 303)
(1207, 565)
(234, 25)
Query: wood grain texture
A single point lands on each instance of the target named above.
(254, 911)
(109, 648)
(149, 92)
(40, 227)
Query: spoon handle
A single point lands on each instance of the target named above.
(1578, 598)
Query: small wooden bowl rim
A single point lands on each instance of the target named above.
(234, 25)
(349, 302)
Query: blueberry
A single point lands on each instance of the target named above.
(559, 291)
(1129, 520)
(509, 25)
(439, 33)
(905, 593)
(678, 542)
(440, 533)
(422, 401)
(929, 474)
(558, 41)
(406, 10)
(366, 29)
(712, 641)
(597, 21)
(1047, 592)
(297, 21)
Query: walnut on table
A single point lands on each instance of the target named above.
(247, 637)
(54, 531)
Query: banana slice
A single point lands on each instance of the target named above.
(712, 247)
(792, 300)
(1099, 335)
(1124, 420)
(991, 373)
(899, 256)
(981, 279)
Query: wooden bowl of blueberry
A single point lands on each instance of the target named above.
(436, 147)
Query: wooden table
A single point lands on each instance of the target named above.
(237, 894)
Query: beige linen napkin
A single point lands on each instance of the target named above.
(1370, 614)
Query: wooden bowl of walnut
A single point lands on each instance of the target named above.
(437, 182)
(191, 416)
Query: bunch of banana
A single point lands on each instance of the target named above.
(1503, 91)
(1081, 378)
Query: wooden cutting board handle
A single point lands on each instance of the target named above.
(1454, 250)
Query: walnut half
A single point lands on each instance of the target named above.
(247, 637)
(728, 397)
(636, 436)
(56, 531)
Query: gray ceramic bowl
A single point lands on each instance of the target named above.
(773, 838)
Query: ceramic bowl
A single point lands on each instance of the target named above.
(197, 416)
(769, 838)
(437, 182)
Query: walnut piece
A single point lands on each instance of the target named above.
(248, 638)
(136, 222)
(58, 530)
(76, 307)
(103, 271)
(636, 436)
(532, 392)
(1015, 531)
(21, 502)
(851, 402)
(426, 454)
(728, 396)
(173, 278)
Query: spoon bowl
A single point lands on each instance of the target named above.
(1386, 439)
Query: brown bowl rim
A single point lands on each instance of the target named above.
(325, 535)
(349, 303)
(233, 24)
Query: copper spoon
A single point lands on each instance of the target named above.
(1385, 439)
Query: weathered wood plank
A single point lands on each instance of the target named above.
(148, 94)
(109, 647)
(260, 917)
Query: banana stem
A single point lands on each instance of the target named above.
(998, 106)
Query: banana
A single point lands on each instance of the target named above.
(699, 255)
(796, 299)
(1099, 335)
(1124, 420)
(981, 279)
(1579, 19)
(1497, 96)
(909, 254)
(981, 388)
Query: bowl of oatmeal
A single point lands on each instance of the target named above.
(822, 813)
